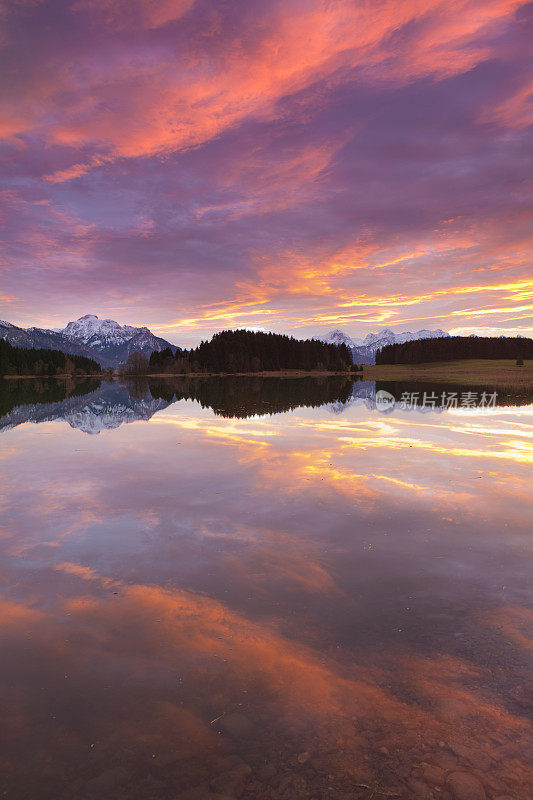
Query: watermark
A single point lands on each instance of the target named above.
(384, 400)
(410, 401)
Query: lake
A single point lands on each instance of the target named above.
(265, 588)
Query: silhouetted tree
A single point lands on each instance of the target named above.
(31, 361)
(255, 351)
(137, 364)
(454, 348)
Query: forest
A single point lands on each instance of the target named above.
(48, 363)
(251, 351)
(455, 348)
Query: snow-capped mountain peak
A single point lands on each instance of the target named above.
(103, 339)
(100, 331)
(375, 341)
(386, 333)
(364, 350)
(408, 336)
(337, 336)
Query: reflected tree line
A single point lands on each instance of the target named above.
(14, 393)
(228, 396)
(248, 396)
(244, 396)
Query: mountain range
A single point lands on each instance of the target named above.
(102, 339)
(364, 350)
(110, 343)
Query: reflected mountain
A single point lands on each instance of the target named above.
(93, 405)
(363, 393)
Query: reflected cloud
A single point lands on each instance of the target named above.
(200, 588)
(220, 679)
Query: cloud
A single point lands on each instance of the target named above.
(516, 110)
(144, 14)
(127, 99)
(306, 163)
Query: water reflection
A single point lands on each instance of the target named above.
(422, 396)
(307, 605)
(93, 405)
(24, 395)
(251, 396)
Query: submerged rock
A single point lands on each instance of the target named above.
(464, 786)
(433, 775)
(231, 782)
(107, 780)
(419, 789)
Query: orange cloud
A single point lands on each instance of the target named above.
(516, 111)
(131, 104)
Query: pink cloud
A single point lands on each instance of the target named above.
(126, 98)
(212, 164)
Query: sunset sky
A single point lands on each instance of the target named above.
(295, 165)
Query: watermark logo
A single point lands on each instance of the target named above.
(384, 400)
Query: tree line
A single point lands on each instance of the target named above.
(455, 348)
(247, 351)
(30, 361)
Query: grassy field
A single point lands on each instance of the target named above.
(477, 372)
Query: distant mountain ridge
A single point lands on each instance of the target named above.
(110, 343)
(105, 340)
(364, 350)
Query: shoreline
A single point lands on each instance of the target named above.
(475, 372)
(292, 373)
(145, 376)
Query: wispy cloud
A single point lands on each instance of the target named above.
(283, 166)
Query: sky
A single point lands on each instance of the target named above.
(295, 165)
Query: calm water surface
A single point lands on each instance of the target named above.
(254, 589)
